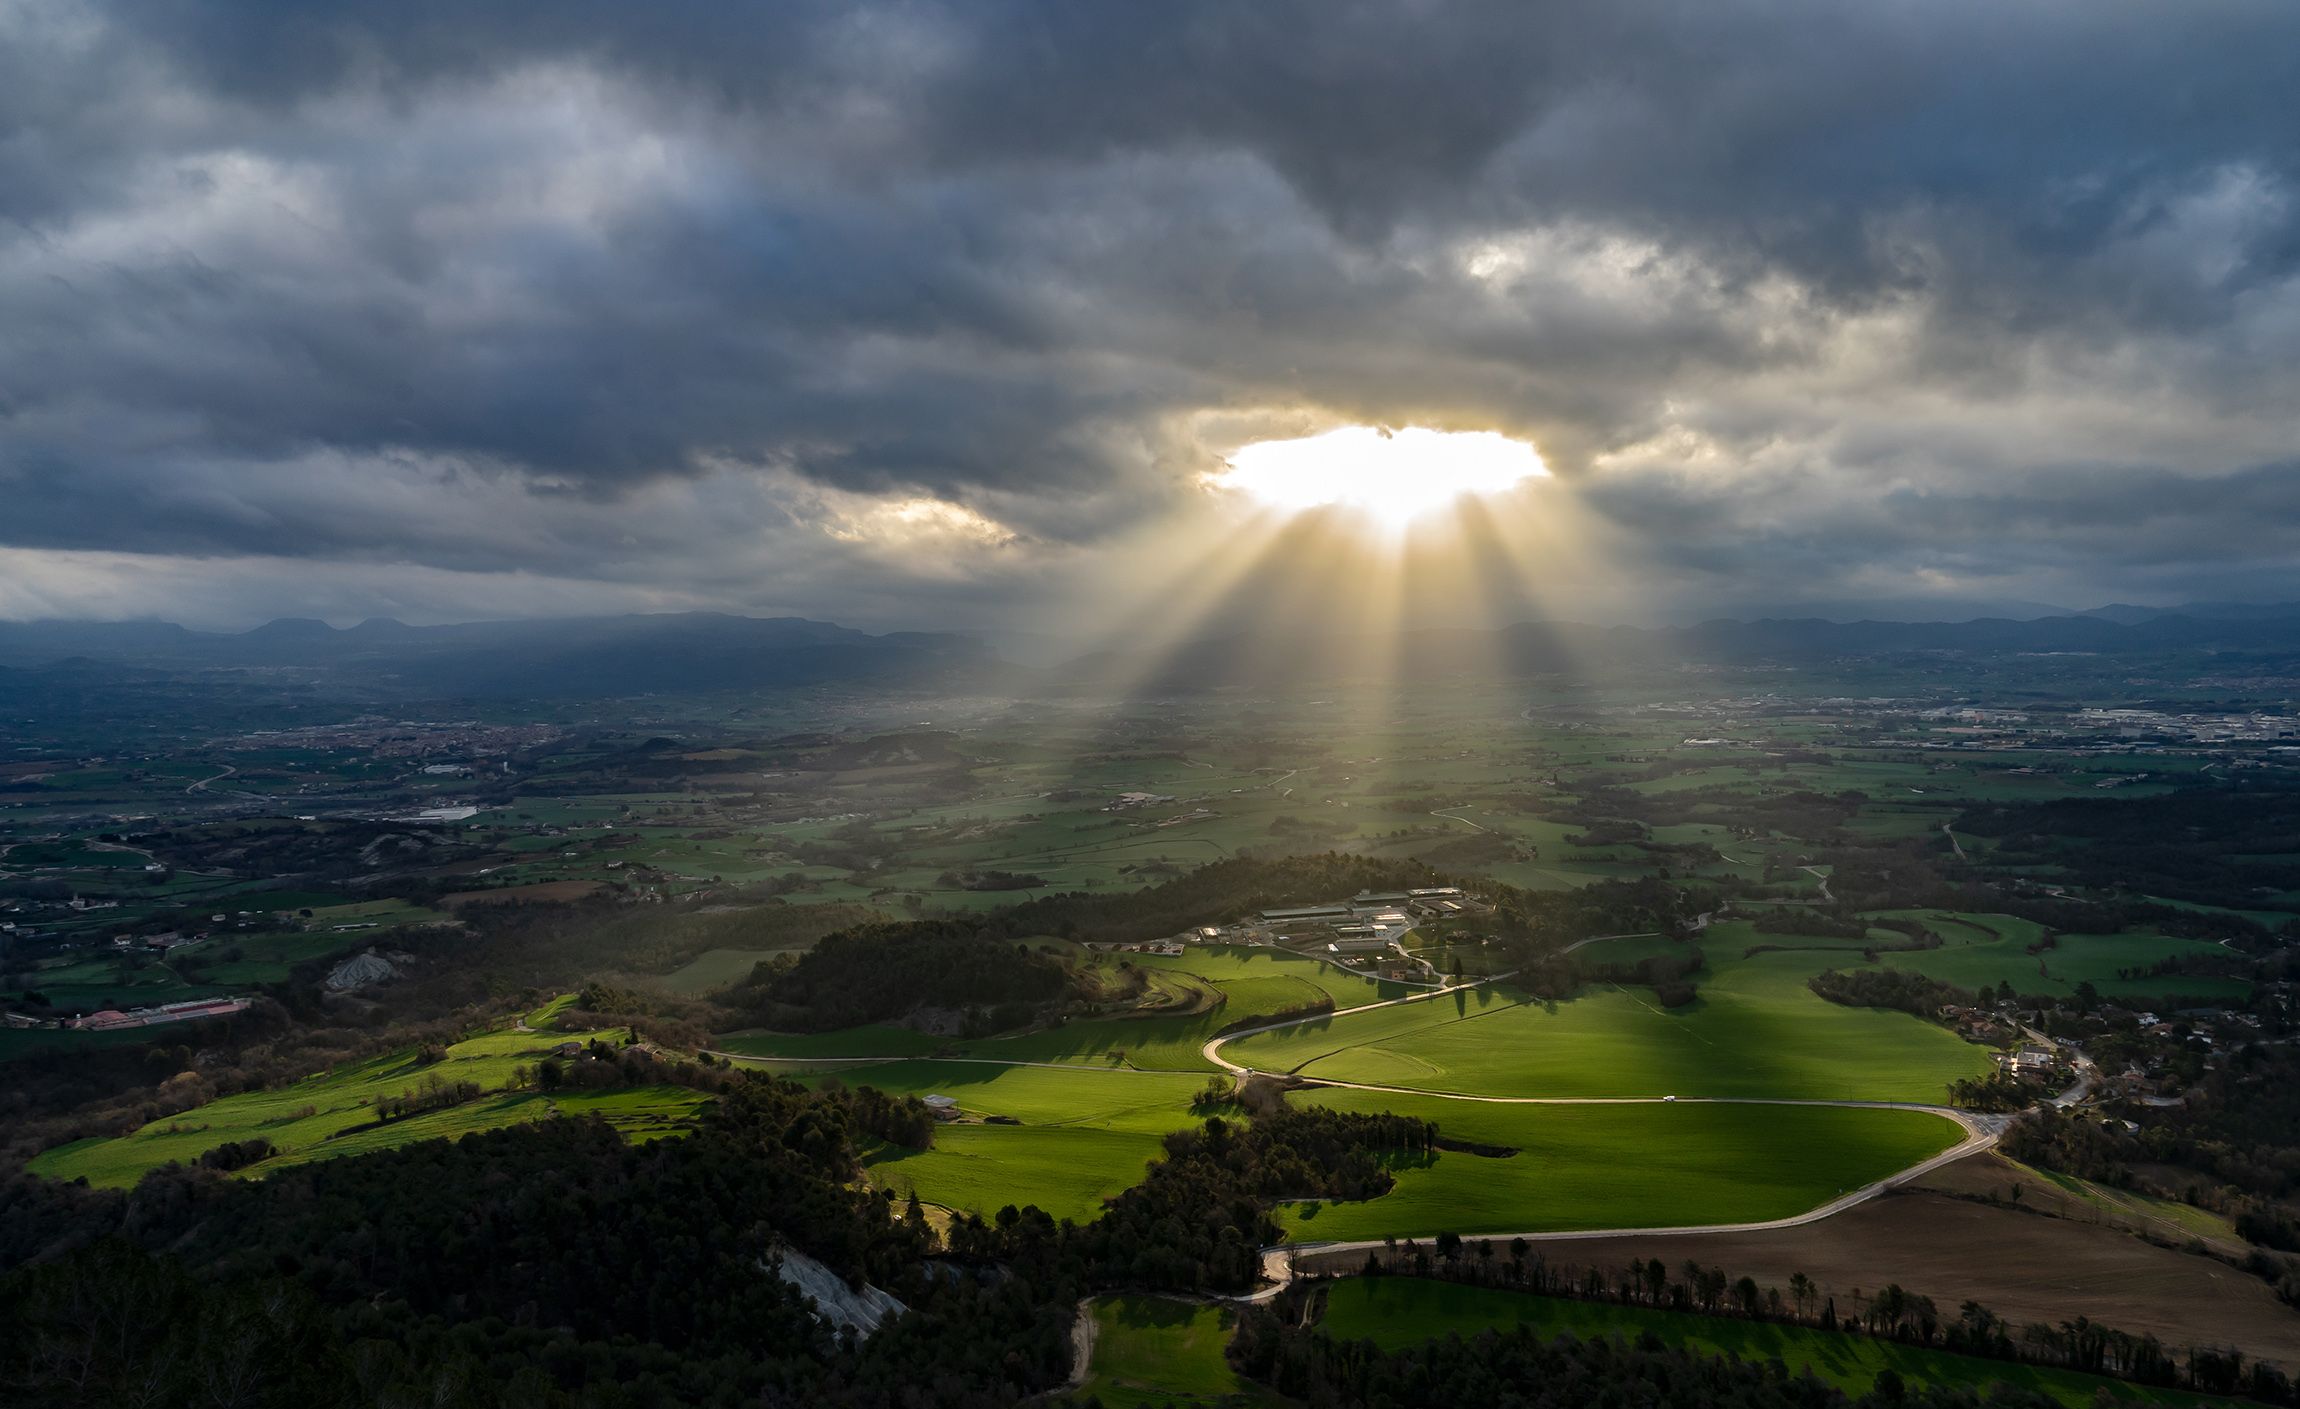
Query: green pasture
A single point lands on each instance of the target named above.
(1755, 1030)
(1154, 1351)
(316, 1118)
(1084, 1135)
(1646, 1165)
(1397, 1313)
(1993, 950)
(715, 969)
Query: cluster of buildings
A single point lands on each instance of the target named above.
(1367, 923)
(108, 1019)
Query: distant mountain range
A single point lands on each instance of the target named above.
(579, 657)
(597, 657)
(2268, 637)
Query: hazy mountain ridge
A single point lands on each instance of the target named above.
(593, 657)
(570, 657)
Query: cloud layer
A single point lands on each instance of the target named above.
(911, 313)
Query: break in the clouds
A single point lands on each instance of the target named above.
(908, 313)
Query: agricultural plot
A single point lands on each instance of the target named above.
(1082, 1135)
(1155, 1351)
(333, 1112)
(1755, 1030)
(1994, 950)
(1396, 1313)
(1651, 1165)
(715, 969)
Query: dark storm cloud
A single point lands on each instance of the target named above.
(611, 290)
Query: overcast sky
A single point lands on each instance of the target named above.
(921, 314)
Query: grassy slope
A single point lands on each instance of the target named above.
(337, 1101)
(1397, 1312)
(1085, 1135)
(1153, 1351)
(1970, 956)
(1583, 1167)
(1756, 1030)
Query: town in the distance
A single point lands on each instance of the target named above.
(1889, 1021)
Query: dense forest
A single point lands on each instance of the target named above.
(2199, 843)
(446, 1272)
(879, 972)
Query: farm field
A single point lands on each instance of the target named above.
(1083, 1136)
(713, 970)
(1755, 1030)
(319, 1117)
(1155, 1351)
(1993, 950)
(1648, 1165)
(1399, 1312)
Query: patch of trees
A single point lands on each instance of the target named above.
(990, 880)
(879, 972)
(550, 1265)
(1668, 975)
(433, 1093)
(1998, 1091)
(1197, 1220)
(2214, 844)
(238, 1154)
(1529, 924)
(1609, 831)
(1888, 988)
(898, 1120)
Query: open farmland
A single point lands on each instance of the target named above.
(1996, 950)
(1954, 1249)
(1399, 1312)
(332, 1113)
(1755, 1030)
(1650, 1164)
(1081, 1135)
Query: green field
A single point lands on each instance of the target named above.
(1647, 1165)
(319, 1117)
(1755, 1030)
(1993, 950)
(1084, 1134)
(713, 970)
(1397, 1313)
(1153, 1351)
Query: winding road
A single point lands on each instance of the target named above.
(1981, 1132)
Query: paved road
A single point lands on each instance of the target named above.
(1212, 1052)
(1981, 1132)
(1463, 820)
